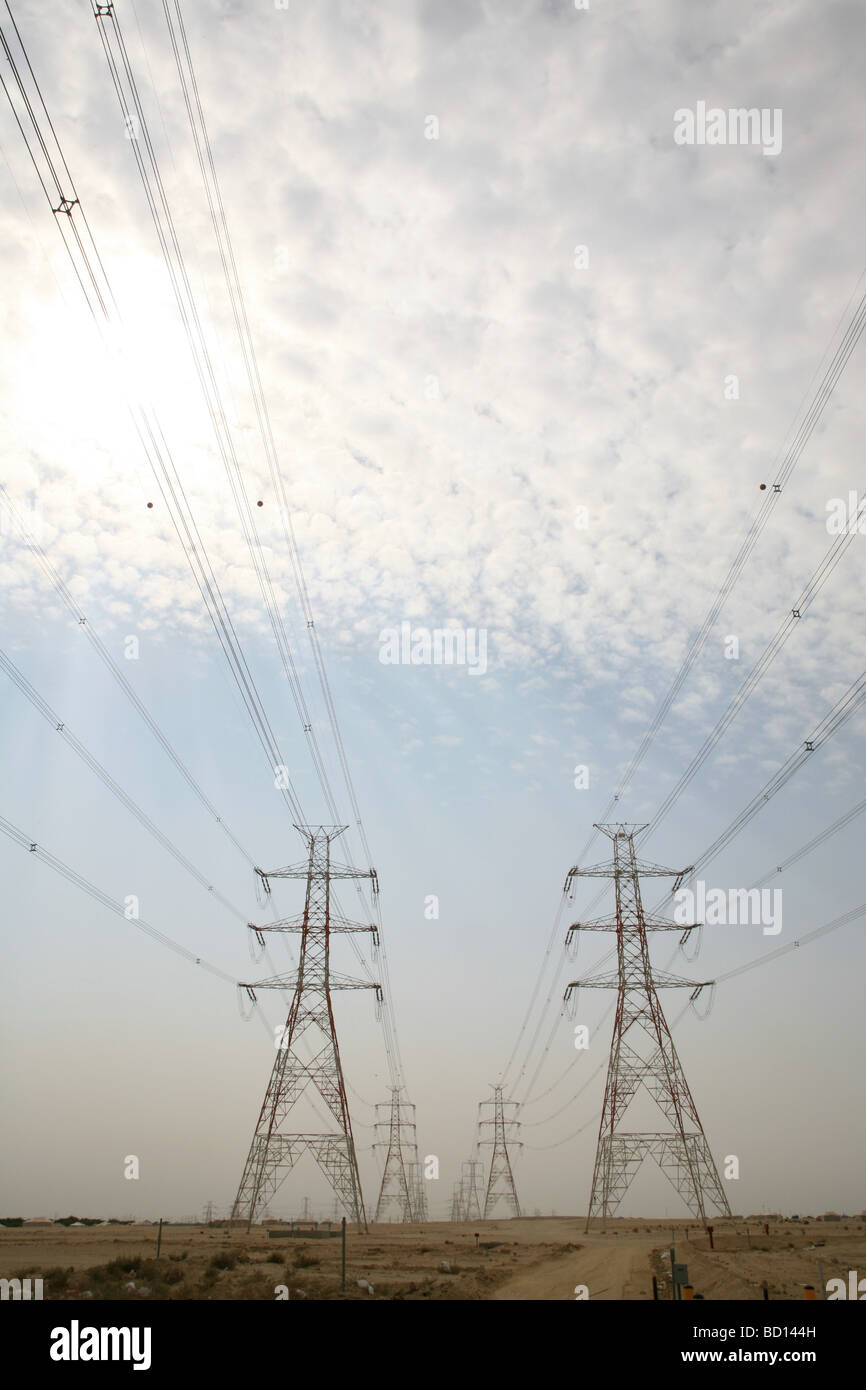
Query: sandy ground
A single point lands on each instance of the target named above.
(514, 1260)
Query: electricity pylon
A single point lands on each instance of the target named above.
(457, 1202)
(500, 1183)
(466, 1198)
(422, 1212)
(273, 1151)
(400, 1176)
(470, 1186)
(642, 1052)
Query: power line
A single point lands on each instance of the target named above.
(850, 339)
(28, 843)
(86, 626)
(747, 687)
(833, 721)
(83, 253)
(801, 605)
(132, 110)
(843, 920)
(210, 182)
(811, 417)
(846, 706)
(108, 781)
(819, 839)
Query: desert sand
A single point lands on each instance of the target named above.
(546, 1258)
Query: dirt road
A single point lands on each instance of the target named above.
(609, 1273)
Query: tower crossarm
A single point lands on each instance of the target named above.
(346, 871)
(661, 979)
(318, 866)
(296, 923)
(602, 924)
(290, 871)
(290, 982)
(643, 867)
(334, 871)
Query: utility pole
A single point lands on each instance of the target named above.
(274, 1151)
(399, 1181)
(642, 1052)
(500, 1183)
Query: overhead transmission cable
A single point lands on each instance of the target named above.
(837, 717)
(801, 605)
(844, 919)
(62, 728)
(146, 422)
(86, 626)
(170, 244)
(817, 840)
(151, 430)
(748, 685)
(28, 843)
(844, 709)
(210, 181)
(812, 415)
(850, 339)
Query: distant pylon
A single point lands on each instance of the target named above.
(457, 1202)
(470, 1184)
(399, 1186)
(500, 1184)
(648, 1058)
(274, 1152)
(420, 1200)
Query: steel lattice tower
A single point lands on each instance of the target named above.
(457, 1202)
(274, 1151)
(421, 1209)
(400, 1177)
(470, 1190)
(500, 1183)
(642, 1052)
(466, 1198)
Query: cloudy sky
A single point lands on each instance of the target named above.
(527, 361)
